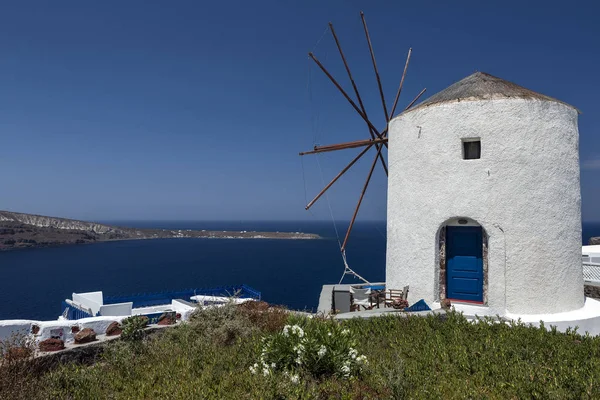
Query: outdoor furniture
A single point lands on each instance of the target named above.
(378, 297)
(360, 298)
(394, 295)
(341, 301)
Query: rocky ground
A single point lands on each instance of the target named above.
(18, 230)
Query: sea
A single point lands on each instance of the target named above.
(289, 272)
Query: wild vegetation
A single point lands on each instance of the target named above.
(133, 327)
(220, 354)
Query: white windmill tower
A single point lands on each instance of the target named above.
(484, 203)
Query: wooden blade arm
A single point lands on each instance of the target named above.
(401, 82)
(362, 195)
(385, 111)
(385, 131)
(343, 146)
(338, 176)
(352, 103)
(360, 102)
(383, 164)
(415, 99)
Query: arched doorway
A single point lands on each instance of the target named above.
(463, 261)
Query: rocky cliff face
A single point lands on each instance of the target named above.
(41, 221)
(595, 240)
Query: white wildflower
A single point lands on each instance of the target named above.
(296, 330)
(345, 332)
(328, 333)
(345, 370)
(254, 368)
(362, 359)
(295, 379)
(266, 371)
(273, 365)
(353, 353)
(322, 351)
(299, 360)
(286, 330)
(299, 349)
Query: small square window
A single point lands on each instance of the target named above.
(471, 149)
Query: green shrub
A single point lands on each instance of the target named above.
(133, 327)
(222, 325)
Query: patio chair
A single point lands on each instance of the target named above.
(391, 295)
(360, 298)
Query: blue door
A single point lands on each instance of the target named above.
(464, 263)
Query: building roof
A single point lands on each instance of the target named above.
(482, 86)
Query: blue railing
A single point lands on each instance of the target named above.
(154, 299)
(71, 312)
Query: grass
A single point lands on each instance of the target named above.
(414, 357)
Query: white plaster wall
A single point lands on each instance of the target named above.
(117, 309)
(152, 309)
(93, 296)
(98, 324)
(524, 191)
(15, 326)
(46, 328)
(585, 319)
(183, 309)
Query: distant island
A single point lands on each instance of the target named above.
(19, 230)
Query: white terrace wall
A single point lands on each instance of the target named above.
(524, 191)
(61, 328)
(14, 326)
(98, 324)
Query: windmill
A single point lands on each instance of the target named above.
(378, 138)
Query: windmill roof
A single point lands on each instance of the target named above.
(482, 86)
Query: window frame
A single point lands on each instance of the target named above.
(463, 144)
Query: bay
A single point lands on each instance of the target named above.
(288, 272)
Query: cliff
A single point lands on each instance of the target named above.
(42, 221)
(19, 230)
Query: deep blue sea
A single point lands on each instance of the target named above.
(290, 272)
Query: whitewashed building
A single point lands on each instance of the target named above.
(484, 203)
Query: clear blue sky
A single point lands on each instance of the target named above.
(197, 110)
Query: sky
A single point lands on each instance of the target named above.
(187, 110)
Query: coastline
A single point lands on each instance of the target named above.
(306, 236)
(25, 231)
